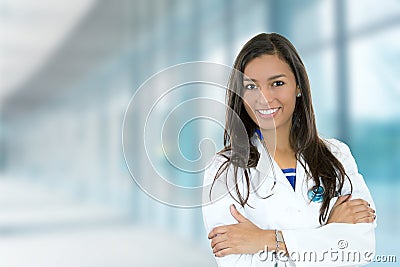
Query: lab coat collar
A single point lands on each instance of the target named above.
(264, 166)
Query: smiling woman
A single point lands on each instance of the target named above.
(296, 193)
(271, 96)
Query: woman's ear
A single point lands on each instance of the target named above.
(298, 91)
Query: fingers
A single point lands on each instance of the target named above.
(224, 252)
(358, 201)
(217, 231)
(364, 213)
(361, 208)
(223, 229)
(237, 215)
(347, 198)
(342, 199)
(352, 211)
(361, 211)
(221, 246)
(223, 238)
(217, 239)
(365, 217)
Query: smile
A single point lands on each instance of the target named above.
(267, 112)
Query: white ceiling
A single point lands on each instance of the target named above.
(30, 31)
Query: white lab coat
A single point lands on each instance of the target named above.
(308, 243)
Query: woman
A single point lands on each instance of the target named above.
(277, 186)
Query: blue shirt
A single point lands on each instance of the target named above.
(290, 174)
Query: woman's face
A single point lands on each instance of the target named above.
(270, 92)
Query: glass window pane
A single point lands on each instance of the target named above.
(321, 70)
(361, 13)
(374, 79)
(374, 104)
(306, 23)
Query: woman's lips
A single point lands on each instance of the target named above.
(267, 113)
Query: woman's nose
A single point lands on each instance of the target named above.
(265, 95)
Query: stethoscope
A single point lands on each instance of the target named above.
(315, 194)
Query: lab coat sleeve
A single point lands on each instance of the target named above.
(216, 213)
(336, 244)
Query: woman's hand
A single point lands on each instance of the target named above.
(348, 210)
(241, 238)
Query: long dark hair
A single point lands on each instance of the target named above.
(323, 166)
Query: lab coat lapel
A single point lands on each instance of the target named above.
(265, 165)
(302, 183)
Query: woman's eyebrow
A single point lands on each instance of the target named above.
(270, 78)
(276, 76)
(249, 80)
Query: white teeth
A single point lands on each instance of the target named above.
(267, 111)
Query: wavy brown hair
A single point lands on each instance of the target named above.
(239, 152)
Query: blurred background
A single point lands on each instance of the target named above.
(69, 68)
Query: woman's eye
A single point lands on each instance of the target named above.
(250, 86)
(278, 83)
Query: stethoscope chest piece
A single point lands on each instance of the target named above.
(316, 194)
